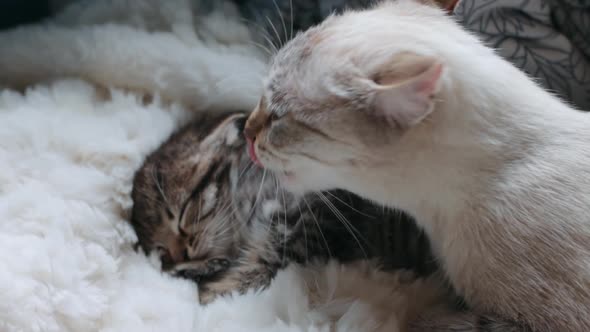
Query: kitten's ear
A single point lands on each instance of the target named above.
(404, 93)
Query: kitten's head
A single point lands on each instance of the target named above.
(182, 197)
(340, 92)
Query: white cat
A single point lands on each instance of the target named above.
(402, 106)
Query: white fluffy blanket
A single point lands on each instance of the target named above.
(68, 152)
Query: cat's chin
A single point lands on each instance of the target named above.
(298, 183)
(290, 181)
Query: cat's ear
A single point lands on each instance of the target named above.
(404, 94)
(433, 3)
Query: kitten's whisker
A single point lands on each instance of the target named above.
(228, 215)
(221, 225)
(318, 226)
(159, 185)
(218, 224)
(351, 229)
(194, 225)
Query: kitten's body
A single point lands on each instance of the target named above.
(494, 168)
(239, 229)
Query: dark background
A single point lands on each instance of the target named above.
(17, 12)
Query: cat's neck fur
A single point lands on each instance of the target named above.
(497, 175)
(481, 124)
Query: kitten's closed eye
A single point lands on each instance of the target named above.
(202, 270)
(165, 257)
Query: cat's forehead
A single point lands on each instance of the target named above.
(314, 71)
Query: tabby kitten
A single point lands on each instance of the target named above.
(215, 218)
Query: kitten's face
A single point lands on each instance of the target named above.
(181, 198)
(334, 101)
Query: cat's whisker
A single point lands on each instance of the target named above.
(266, 50)
(275, 30)
(281, 43)
(236, 78)
(318, 226)
(351, 229)
(269, 225)
(265, 35)
(304, 231)
(285, 226)
(350, 206)
(291, 12)
(258, 194)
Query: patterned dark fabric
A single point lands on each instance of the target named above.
(548, 39)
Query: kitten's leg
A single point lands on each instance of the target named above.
(240, 278)
(446, 321)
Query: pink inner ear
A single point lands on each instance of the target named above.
(431, 77)
(408, 102)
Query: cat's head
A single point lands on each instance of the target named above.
(182, 207)
(339, 93)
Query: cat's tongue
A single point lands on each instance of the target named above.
(252, 153)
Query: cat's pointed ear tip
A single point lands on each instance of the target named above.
(436, 71)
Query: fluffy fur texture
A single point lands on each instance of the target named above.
(402, 106)
(68, 152)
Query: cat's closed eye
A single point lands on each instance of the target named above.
(274, 116)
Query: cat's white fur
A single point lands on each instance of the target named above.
(498, 174)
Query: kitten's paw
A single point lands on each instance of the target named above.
(207, 296)
(218, 264)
